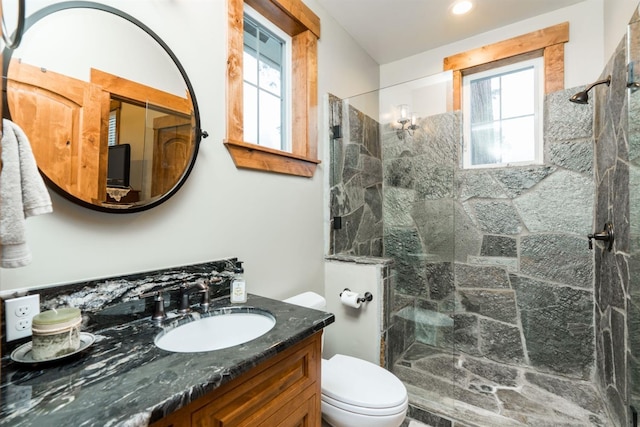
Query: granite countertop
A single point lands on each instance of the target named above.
(123, 379)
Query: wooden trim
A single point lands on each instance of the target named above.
(550, 41)
(303, 25)
(234, 71)
(530, 42)
(134, 91)
(554, 68)
(292, 16)
(304, 135)
(457, 90)
(256, 157)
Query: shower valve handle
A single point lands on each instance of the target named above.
(605, 235)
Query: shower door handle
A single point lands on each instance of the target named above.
(606, 235)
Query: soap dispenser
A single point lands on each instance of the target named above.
(238, 285)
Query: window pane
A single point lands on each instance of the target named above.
(250, 68)
(250, 113)
(501, 115)
(271, 59)
(264, 85)
(518, 140)
(270, 121)
(483, 106)
(250, 39)
(270, 78)
(485, 144)
(518, 93)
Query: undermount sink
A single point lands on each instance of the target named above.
(215, 332)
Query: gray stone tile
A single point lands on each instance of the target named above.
(563, 202)
(565, 120)
(575, 155)
(497, 217)
(557, 323)
(473, 276)
(501, 342)
(491, 373)
(556, 257)
(497, 304)
(499, 246)
(517, 180)
(480, 184)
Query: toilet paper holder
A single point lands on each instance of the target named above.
(367, 296)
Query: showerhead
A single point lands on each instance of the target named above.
(583, 97)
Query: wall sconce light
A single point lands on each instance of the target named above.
(407, 121)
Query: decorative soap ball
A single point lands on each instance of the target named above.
(55, 333)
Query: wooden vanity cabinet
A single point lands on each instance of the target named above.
(284, 391)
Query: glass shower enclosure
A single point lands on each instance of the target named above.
(492, 302)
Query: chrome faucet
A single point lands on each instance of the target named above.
(185, 291)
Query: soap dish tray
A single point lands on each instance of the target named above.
(23, 353)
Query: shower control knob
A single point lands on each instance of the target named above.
(606, 235)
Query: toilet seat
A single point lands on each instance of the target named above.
(360, 386)
(360, 410)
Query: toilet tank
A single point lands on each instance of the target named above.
(309, 300)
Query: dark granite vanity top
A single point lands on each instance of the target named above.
(123, 379)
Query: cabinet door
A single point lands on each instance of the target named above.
(295, 414)
(281, 388)
(283, 391)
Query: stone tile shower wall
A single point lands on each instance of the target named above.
(356, 182)
(502, 251)
(617, 155)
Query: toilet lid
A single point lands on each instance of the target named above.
(360, 383)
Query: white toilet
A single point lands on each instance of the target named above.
(356, 392)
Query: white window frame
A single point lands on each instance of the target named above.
(286, 131)
(538, 67)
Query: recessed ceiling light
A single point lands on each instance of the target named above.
(461, 7)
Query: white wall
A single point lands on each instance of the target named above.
(584, 53)
(273, 222)
(617, 14)
(356, 331)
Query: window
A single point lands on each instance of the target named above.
(244, 140)
(499, 119)
(502, 115)
(266, 73)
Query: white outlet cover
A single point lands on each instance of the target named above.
(18, 314)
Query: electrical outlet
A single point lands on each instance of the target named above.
(23, 324)
(19, 312)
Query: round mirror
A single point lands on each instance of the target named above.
(108, 109)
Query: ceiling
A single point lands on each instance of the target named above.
(394, 29)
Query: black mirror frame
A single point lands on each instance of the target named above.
(199, 133)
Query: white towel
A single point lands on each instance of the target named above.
(22, 194)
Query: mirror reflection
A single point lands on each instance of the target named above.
(108, 111)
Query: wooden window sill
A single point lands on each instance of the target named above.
(255, 157)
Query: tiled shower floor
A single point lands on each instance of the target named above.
(472, 392)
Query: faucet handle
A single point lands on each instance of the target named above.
(183, 307)
(206, 298)
(158, 299)
(159, 313)
(158, 307)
